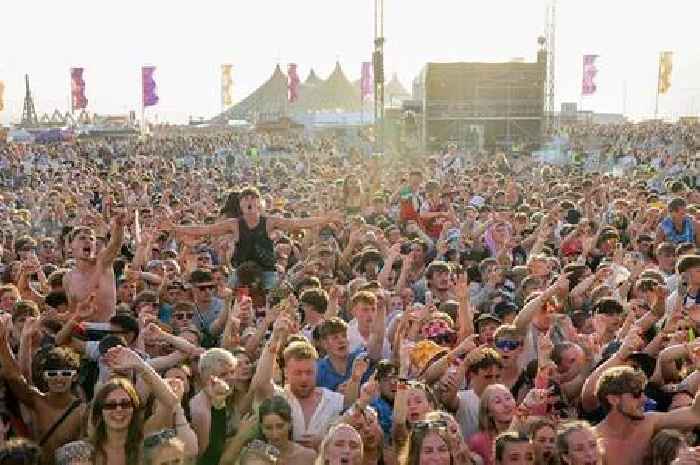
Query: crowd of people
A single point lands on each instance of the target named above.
(232, 298)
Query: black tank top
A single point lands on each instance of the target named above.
(217, 438)
(254, 245)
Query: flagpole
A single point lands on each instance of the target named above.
(70, 90)
(143, 107)
(658, 81)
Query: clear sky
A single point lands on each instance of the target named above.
(188, 41)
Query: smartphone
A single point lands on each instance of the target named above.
(428, 298)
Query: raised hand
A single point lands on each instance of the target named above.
(153, 332)
(217, 390)
(122, 358)
(5, 326)
(467, 345)
(359, 367)
(369, 391)
(461, 287)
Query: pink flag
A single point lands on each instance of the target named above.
(366, 80)
(148, 85)
(77, 89)
(293, 83)
(588, 87)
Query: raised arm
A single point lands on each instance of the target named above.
(276, 222)
(465, 314)
(228, 226)
(10, 370)
(375, 344)
(633, 341)
(123, 358)
(685, 418)
(522, 321)
(262, 379)
(111, 252)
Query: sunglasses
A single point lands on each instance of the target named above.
(122, 405)
(637, 393)
(507, 345)
(183, 316)
(159, 438)
(209, 287)
(429, 424)
(63, 373)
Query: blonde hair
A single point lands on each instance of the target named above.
(213, 359)
(300, 350)
(486, 421)
(321, 458)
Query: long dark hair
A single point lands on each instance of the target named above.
(232, 205)
(134, 436)
(275, 405)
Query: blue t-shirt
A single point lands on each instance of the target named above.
(327, 377)
(385, 413)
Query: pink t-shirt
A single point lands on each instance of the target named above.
(482, 443)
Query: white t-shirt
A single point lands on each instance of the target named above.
(468, 412)
(355, 340)
(327, 411)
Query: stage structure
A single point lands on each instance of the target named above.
(501, 104)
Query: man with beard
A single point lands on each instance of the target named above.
(627, 430)
(56, 412)
(313, 408)
(94, 272)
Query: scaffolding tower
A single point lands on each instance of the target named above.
(550, 45)
(28, 111)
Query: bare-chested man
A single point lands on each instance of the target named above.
(627, 430)
(59, 368)
(94, 272)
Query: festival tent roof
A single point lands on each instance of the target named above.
(335, 94)
(313, 79)
(269, 98)
(395, 89)
(315, 95)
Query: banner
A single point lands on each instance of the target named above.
(588, 86)
(148, 85)
(2, 99)
(366, 87)
(665, 69)
(77, 89)
(226, 86)
(293, 84)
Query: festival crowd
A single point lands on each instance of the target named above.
(202, 299)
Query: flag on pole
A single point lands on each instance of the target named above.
(366, 80)
(77, 89)
(148, 85)
(588, 86)
(293, 83)
(2, 100)
(665, 69)
(226, 86)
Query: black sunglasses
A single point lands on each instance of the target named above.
(429, 424)
(159, 438)
(122, 404)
